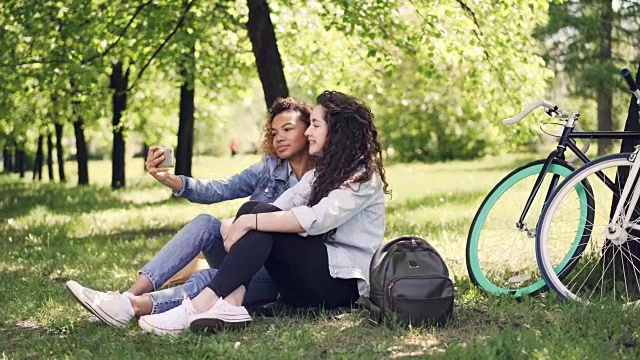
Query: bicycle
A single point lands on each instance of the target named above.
(513, 204)
(613, 243)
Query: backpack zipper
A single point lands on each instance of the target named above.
(393, 283)
(414, 245)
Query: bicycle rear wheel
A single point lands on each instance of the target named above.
(605, 270)
(500, 256)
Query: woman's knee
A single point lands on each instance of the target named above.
(205, 220)
(264, 208)
(247, 208)
(256, 207)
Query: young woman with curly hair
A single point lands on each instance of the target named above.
(316, 241)
(286, 159)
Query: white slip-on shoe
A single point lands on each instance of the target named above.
(173, 321)
(111, 308)
(221, 316)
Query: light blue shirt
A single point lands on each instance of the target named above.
(293, 179)
(355, 210)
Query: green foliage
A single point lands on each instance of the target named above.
(574, 34)
(575, 43)
(439, 76)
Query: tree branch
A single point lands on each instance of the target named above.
(479, 35)
(120, 36)
(164, 43)
(470, 12)
(90, 59)
(421, 15)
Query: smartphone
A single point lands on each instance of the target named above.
(169, 159)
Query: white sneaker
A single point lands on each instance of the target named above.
(222, 315)
(111, 308)
(173, 321)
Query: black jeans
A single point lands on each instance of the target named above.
(299, 266)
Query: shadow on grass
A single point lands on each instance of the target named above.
(507, 168)
(130, 235)
(52, 254)
(59, 235)
(18, 199)
(426, 228)
(436, 200)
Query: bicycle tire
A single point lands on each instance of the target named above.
(584, 285)
(483, 276)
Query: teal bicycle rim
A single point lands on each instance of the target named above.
(474, 261)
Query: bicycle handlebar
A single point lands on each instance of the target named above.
(560, 113)
(626, 74)
(540, 103)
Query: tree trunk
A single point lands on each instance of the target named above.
(60, 153)
(604, 96)
(81, 151)
(7, 156)
(37, 165)
(50, 157)
(622, 264)
(184, 151)
(16, 164)
(145, 151)
(20, 165)
(119, 84)
(265, 50)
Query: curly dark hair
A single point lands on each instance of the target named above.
(279, 106)
(351, 147)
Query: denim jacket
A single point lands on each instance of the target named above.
(264, 181)
(355, 210)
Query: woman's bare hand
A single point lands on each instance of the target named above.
(155, 156)
(225, 226)
(238, 229)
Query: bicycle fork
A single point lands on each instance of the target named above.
(521, 224)
(617, 229)
(557, 154)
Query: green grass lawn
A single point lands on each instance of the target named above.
(52, 233)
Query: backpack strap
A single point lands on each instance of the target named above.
(375, 313)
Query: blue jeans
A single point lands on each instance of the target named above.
(197, 236)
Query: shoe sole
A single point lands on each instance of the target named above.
(213, 326)
(150, 328)
(85, 301)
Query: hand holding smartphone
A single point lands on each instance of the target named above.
(158, 168)
(169, 159)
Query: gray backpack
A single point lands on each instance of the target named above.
(409, 282)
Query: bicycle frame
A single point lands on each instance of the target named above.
(566, 141)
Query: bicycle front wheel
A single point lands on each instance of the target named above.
(606, 269)
(500, 255)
